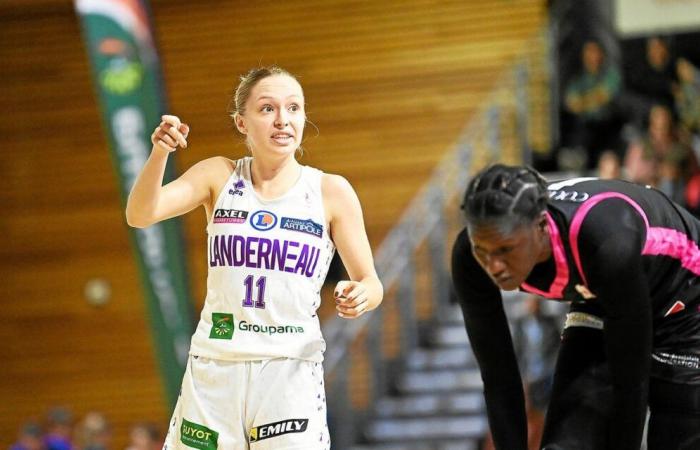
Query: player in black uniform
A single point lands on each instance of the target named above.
(627, 259)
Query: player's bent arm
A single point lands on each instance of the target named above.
(491, 342)
(610, 241)
(347, 230)
(149, 202)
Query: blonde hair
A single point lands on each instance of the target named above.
(248, 82)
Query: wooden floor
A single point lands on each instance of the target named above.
(389, 84)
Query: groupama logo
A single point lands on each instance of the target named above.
(222, 326)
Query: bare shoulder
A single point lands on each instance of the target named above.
(209, 176)
(333, 184)
(217, 164)
(338, 194)
(218, 170)
(211, 171)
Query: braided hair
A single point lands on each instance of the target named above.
(506, 197)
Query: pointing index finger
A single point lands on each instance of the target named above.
(172, 120)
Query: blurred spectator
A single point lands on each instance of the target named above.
(59, 423)
(536, 337)
(536, 341)
(93, 432)
(590, 97)
(692, 194)
(659, 158)
(653, 78)
(687, 95)
(30, 438)
(609, 166)
(145, 436)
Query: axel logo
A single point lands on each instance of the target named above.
(222, 326)
(230, 216)
(263, 220)
(275, 429)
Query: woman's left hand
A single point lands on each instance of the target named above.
(350, 299)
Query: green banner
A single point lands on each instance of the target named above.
(126, 74)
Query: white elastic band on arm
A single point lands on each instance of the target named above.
(579, 319)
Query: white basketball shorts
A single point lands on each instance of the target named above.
(257, 405)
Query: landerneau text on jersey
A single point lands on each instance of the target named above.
(262, 253)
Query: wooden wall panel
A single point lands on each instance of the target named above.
(389, 84)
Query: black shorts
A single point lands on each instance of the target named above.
(578, 417)
(676, 345)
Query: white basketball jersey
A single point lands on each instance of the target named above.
(267, 262)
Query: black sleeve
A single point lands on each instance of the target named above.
(491, 342)
(610, 242)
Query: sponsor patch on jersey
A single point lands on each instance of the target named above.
(275, 429)
(198, 436)
(671, 359)
(263, 220)
(268, 329)
(222, 325)
(677, 307)
(230, 216)
(237, 188)
(307, 226)
(569, 196)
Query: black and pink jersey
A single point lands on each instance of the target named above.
(622, 252)
(668, 235)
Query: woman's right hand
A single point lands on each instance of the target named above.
(170, 134)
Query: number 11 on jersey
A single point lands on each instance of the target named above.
(249, 287)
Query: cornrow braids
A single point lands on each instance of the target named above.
(505, 196)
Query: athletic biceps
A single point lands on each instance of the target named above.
(181, 196)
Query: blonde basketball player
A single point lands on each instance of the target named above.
(254, 379)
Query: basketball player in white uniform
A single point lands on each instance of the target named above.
(254, 379)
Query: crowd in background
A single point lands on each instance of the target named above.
(643, 127)
(59, 431)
